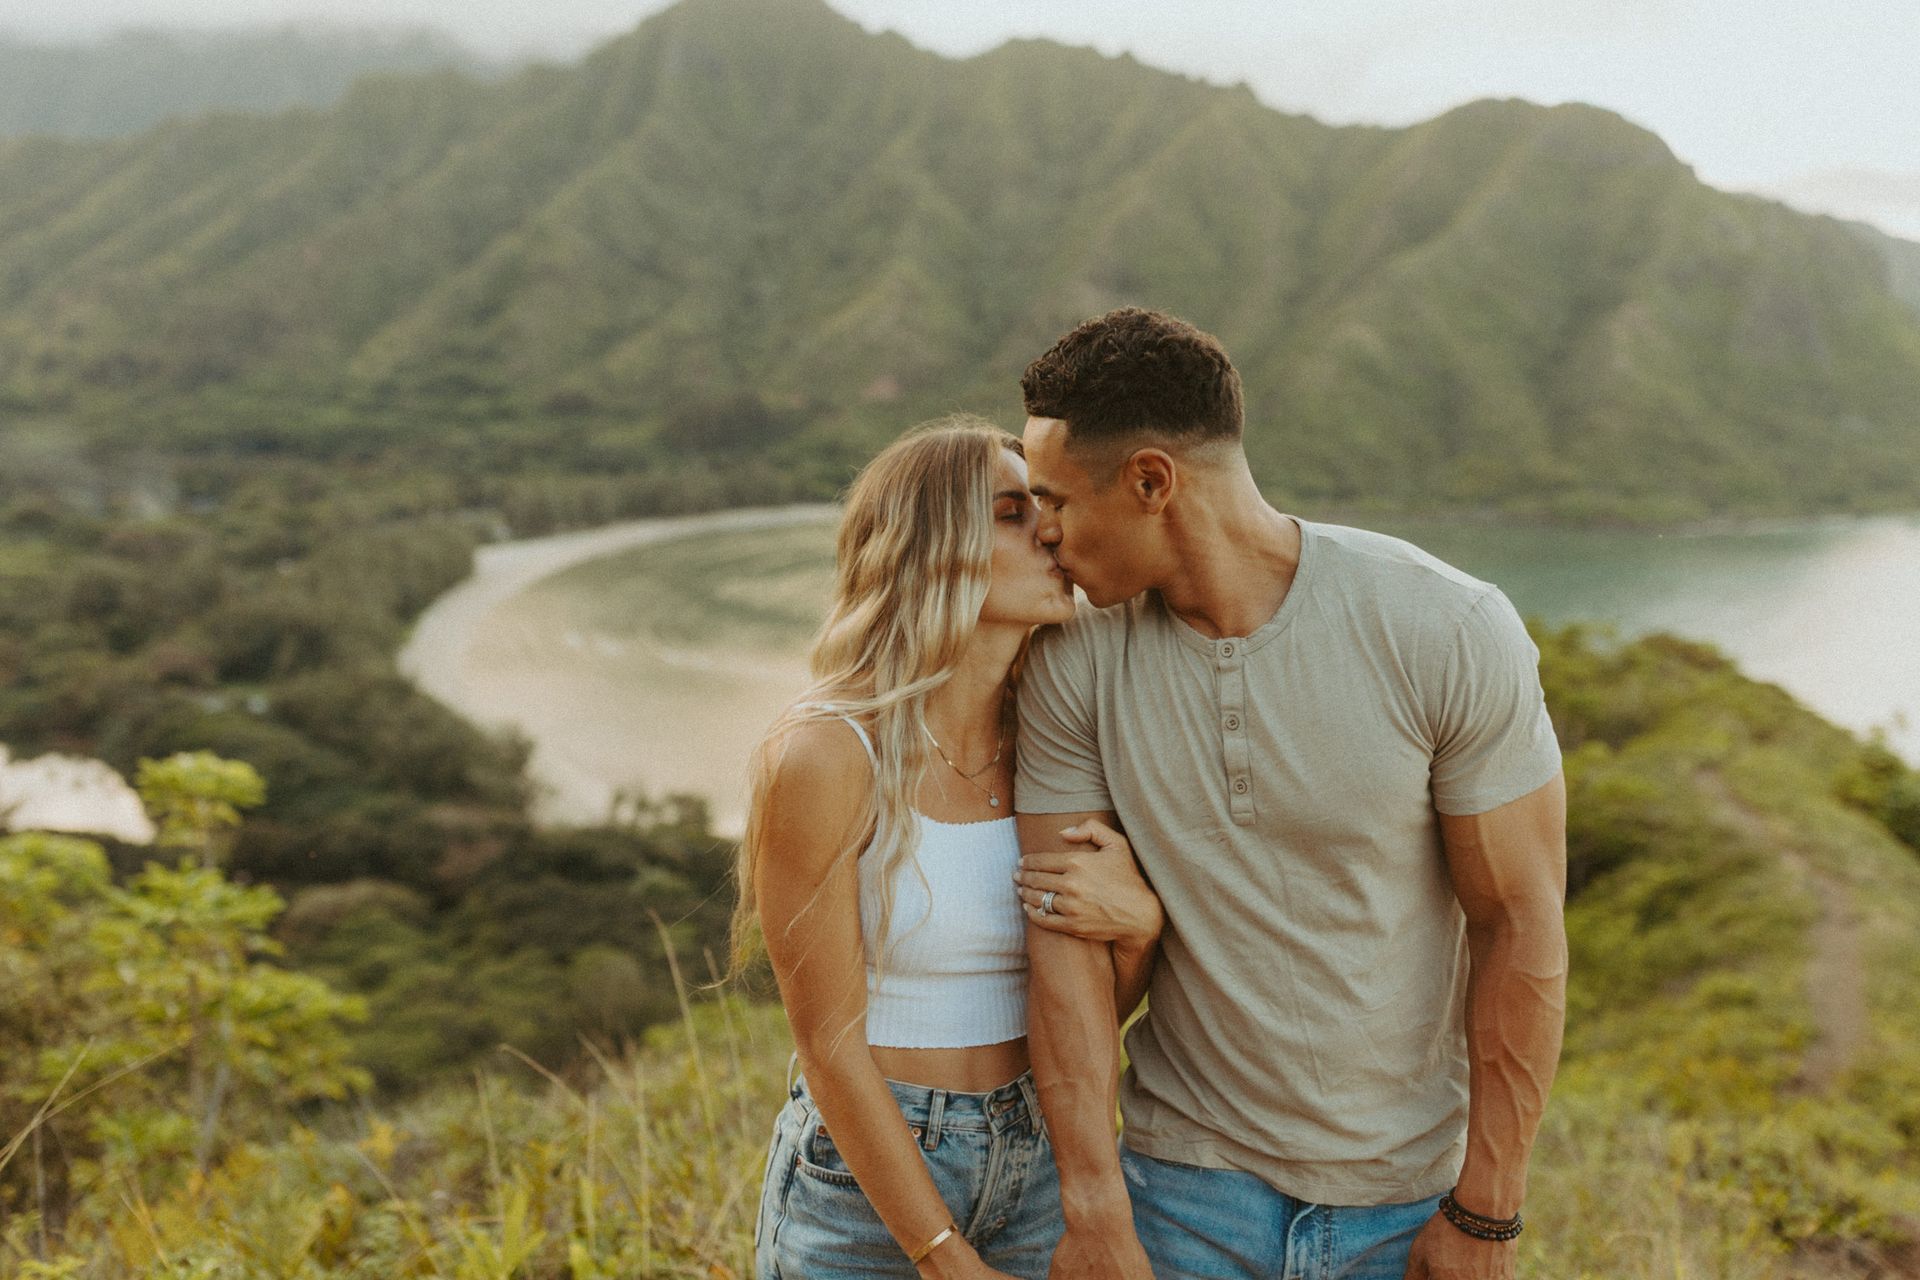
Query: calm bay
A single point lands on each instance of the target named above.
(654, 668)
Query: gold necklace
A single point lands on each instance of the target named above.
(1000, 744)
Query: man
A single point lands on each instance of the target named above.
(1330, 753)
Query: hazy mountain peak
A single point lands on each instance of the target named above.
(755, 201)
(131, 79)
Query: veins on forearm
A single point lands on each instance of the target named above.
(1516, 1010)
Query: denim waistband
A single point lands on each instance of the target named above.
(933, 1111)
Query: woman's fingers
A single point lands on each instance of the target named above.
(1050, 920)
(1037, 898)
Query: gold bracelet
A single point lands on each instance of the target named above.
(929, 1246)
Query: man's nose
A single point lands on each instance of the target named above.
(1047, 529)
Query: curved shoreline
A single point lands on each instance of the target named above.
(436, 655)
(490, 655)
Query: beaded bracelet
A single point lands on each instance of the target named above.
(1478, 1225)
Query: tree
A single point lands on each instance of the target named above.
(195, 797)
(136, 1021)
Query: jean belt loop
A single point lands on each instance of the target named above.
(792, 1062)
(1032, 1097)
(936, 1117)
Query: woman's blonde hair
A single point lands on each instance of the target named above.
(911, 570)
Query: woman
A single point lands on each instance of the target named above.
(878, 864)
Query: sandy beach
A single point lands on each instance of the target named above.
(591, 696)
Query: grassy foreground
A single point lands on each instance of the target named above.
(654, 1172)
(1739, 1096)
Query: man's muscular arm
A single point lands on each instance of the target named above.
(1509, 870)
(1102, 896)
(1073, 1037)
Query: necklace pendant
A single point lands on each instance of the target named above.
(994, 801)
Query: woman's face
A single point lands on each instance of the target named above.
(1027, 588)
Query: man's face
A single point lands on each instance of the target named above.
(1099, 535)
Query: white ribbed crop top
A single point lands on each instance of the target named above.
(956, 971)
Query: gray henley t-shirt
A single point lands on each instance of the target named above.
(1282, 791)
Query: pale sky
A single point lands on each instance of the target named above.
(1814, 101)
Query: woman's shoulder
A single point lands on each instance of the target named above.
(824, 748)
(819, 768)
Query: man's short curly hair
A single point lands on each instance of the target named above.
(1135, 371)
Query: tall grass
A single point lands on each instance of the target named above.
(648, 1166)
(652, 1169)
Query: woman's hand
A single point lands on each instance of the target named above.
(1098, 891)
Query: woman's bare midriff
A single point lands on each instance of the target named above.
(979, 1068)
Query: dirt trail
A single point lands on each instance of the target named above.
(1836, 970)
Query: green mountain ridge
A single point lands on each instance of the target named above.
(756, 201)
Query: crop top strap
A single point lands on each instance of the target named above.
(853, 724)
(865, 741)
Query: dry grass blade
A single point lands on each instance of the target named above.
(47, 1110)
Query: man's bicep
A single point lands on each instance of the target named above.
(1511, 860)
(1058, 763)
(1493, 737)
(1040, 832)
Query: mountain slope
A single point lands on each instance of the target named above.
(1535, 308)
(1902, 258)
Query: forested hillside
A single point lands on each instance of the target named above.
(132, 80)
(749, 223)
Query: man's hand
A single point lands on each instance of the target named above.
(1444, 1252)
(1092, 1254)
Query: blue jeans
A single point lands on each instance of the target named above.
(990, 1159)
(1223, 1224)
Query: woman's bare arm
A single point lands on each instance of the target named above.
(809, 898)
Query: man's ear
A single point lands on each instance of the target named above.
(1151, 477)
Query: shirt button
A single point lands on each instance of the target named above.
(1226, 650)
(1240, 786)
(1233, 722)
